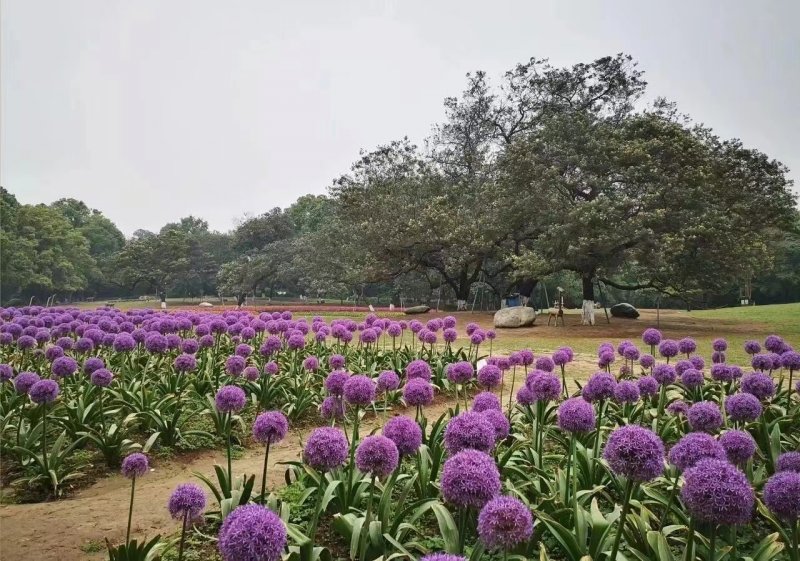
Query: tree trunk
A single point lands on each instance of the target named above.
(587, 313)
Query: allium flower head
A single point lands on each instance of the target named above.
(334, 382)
(716, 492)
(664, 374)
(626, 392)
(377, 455)
(718, 357)
(476, 338)
(53, 352)
(651, 336)
(230, 399)
(44, 391)
(24, 381)
(489, 376)
(359, 391)
(635, 452)
(270, 427)
(790, 360)
(332, 408)
(418, 392)
(678, 407)
(504, 523)
(758, 384)
(543, 386)
(102, 378)
(576, 415)
(694, 447)
(601, 386)
(719, 345)
(469, 429)
(419, 369)
(545, 363)
(705, 416)
(687, 345)
(185, 362)
(762, 362)
(774, 344)
(752, 347)
(648, 386)
(135, 465)
(682, 366)
(460, 372)
(469, 479)
(668, 348)
(527, 357)
(405, 433)
(326, 449)
(485, 401)
(271, 368)
(721, 372)
(499, 423)
(388, 381)
(525, 396)
(311, 363)
(739, 446)
(64, 366)
(93, 363)
(187, 502)
(336, 361)
(692, 378)
(743, 407)
(782, 496)
(788, 461)
(252, 533)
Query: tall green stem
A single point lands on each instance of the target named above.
(689, 554)
(622, 519)
(672, 494)
(712, 547)
(264, 476)
(183, 535)
(130, 511)
(44, 438)
(364, 538)
(230, 471)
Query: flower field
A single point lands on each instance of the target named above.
(419, 439)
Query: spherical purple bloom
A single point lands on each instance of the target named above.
(334, 382)
(687, 345)
(419, 369)
(64, 366)
(647, 361)
(184, 362)
(26, 342)
(526, 356)
(394, 330)
(678, 407)
(53, 352)
(668, 348)
(155, 343)
(326, 449)
(135, 465)
(450, 335)
(469, 429)
(605, 358)
(296, 341)
(682, 366)
(332, 408)
(692, 378)
(271, 368)
(743, 407)
(499, 423)
(476, 338)
(469, 479)
(460, 372)
(752, 347)
(504, 523)
(388, 381)
(336, 361)
(664, 374)
(631, 352)
(705, 416)
(651, 336)
(252, 533)
(418, 392)
(6, 372)
(694, 447)
(368, 336)
(243, 350)
(716, 492)
(270, 427)
(739, 446)
(626, 392)
(405, 433)
(774, 344)
(525, 396)
(758, 384)
(485, 401)
(790, 360)
(721, 372)
(311, 363)
(230, 399)
(782, 496)
(761, 362)
(788, 461)
(234, 365)
(717, 357)
(545, 363)
(600, 387)
(206, 341)
(489, 376)
(719, 345)
(24, 381)
(560, 358)
(635, 452)
(377, 455)
(359, 391)
(187, 502)
(102, 378)
(576, 415)
(543, 386)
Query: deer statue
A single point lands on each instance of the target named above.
(558, 311)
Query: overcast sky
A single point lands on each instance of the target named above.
(150, 110)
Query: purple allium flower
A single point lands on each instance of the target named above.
(6, 372)
(678, 407)
(705, 416)
(525, 396)
(647, 361)
(490, 376)
(332, 407)
(102, 378)
(443, 557)
(26, 342)
(135, 465)
(64, 366)
(668, 348)
(460, 372)
(664, 374)
(626, 392)
(743, 407)
(296, 341)
(469, 429)
(251, 373)
(471, 328)
(545, 363)
(721, 372)
(190, 346)
(716, 492)
(694, 447)
(53, 352)
(719, 345)
(44, 391)
(504, 523)
(270, 427)
(605, 358)
(499, 423)
(491, 334)
(790, 360)
(717, 357)
(782, 496)
(24, 381)
(774, 344)
(359, 391)
(600, 387)
(687, 345)
(311, 363)
(576, 415)
(418, 392)
(476, 338)
(651, 336)
(762, 362)
(185, 362)
(543, 386)
(758, 384)
(405, 433)
(326, 449)
(187, 502)
(230, 399)
(206, 341)
(692, 378)
(560, 358)
(631, 352)
(234, 365)
(336, 362)
(271, 368)
(394, 330)
(155, 343)
(635, 452)
(739, 446)
(243, 350)
(388, 381)
(419, 369)
(485, 401)
(788, 461)
(368, 336)
(252, 533)
(450, 335)
(334, 382)
(682, 366)
(270, 346)
(752, 347)
(377, 455)
(469, 479)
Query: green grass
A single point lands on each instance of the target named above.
(782, 317)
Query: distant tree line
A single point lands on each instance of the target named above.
(553, 176)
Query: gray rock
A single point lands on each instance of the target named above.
(516, 316)
(624, 310)
(418, 310)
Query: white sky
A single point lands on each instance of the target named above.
(150, 110)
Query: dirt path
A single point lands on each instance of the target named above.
(56, 531)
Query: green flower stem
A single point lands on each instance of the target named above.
(626, 505)
(264, 475)
(672, 493)
(183, 535)
(130, 511)
(689, 554)
(230, 471)
(365, 529)
(44, 438)
(712, 547)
